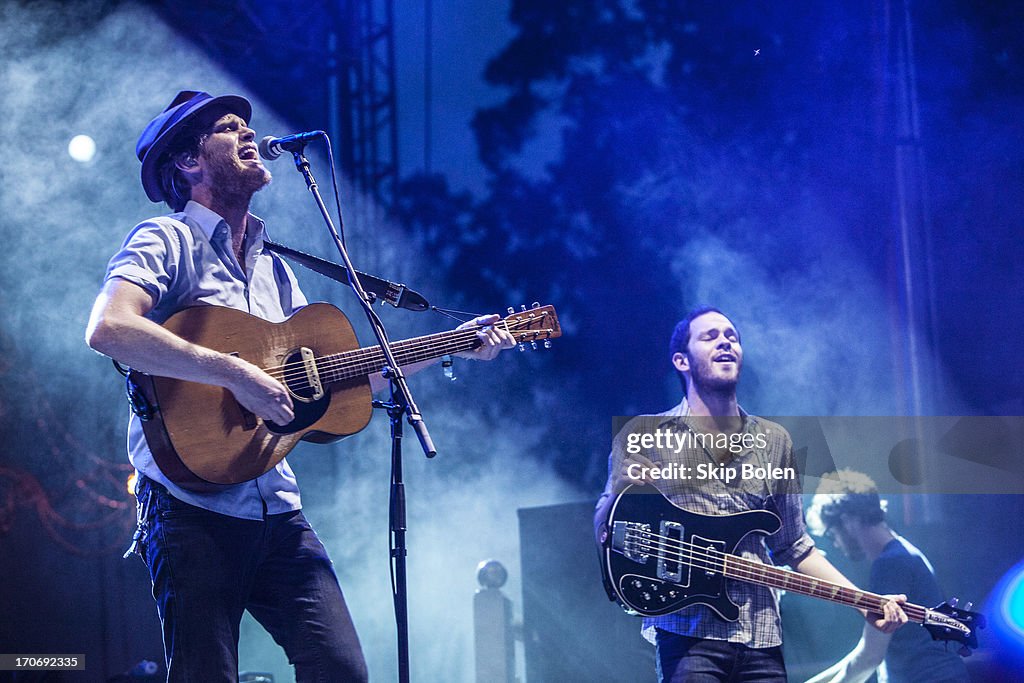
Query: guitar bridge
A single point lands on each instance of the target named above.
(312, 374)
(633, 540)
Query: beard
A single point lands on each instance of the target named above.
(233, 182)
(707, 381)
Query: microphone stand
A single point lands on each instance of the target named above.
(401, 402)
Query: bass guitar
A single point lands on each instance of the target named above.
(202, 438)
(658, 558)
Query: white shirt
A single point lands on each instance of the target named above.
(186, 259)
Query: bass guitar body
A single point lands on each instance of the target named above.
(660, 558)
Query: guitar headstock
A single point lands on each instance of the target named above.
(948, 622)
(530, 325)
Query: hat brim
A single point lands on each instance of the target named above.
(227, 104)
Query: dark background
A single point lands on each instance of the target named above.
(843, 179)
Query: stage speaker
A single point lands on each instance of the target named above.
(571, 630)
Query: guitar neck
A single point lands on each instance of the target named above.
(765, 575)
(370, 360)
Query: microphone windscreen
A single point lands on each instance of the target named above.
(266, 151)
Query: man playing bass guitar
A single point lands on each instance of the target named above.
(695, 451)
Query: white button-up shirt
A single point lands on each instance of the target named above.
(186, 259)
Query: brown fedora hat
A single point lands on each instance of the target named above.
(162, 130)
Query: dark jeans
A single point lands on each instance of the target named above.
(208, 568)
(692, 660)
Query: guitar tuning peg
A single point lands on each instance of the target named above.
(547, 343)
(533, 345)
(511, 310)
(953, 602)
(522, 307)
(522, 346)
(968, 606)
(536, 304)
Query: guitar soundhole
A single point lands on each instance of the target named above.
(307, 409)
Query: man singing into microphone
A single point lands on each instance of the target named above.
(214, 555)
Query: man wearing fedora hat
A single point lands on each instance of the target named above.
(213, 555)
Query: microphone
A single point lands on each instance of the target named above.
(271, 147)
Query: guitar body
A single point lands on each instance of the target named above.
(202, 438)
(659, 558)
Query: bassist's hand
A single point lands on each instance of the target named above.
(892, 616)
(260, 393)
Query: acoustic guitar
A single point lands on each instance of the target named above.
(203, 439)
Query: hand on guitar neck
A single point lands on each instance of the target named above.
(892, 615)
(493, 338)
(493, 341)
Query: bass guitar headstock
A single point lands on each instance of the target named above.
(947, 622)
(532, 325)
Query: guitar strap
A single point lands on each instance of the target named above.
(398, 295)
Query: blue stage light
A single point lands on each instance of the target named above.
(1013, 605)
(1008, 607)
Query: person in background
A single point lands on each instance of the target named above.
(848, 510)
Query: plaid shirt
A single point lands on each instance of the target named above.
(759, 624)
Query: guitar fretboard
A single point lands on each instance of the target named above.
(361, 362)
(739, 568)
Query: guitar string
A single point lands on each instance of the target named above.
(359, 357)
(419, 342)
(748, 569)
(296, 377)
(751, 569)
(505, 323)
(426, 340)
(364, 360)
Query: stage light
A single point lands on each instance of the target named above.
(82, 148)
(1008, 607)
(1013, 603)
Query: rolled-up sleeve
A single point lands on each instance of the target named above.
(150, 258)
(791, 543)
